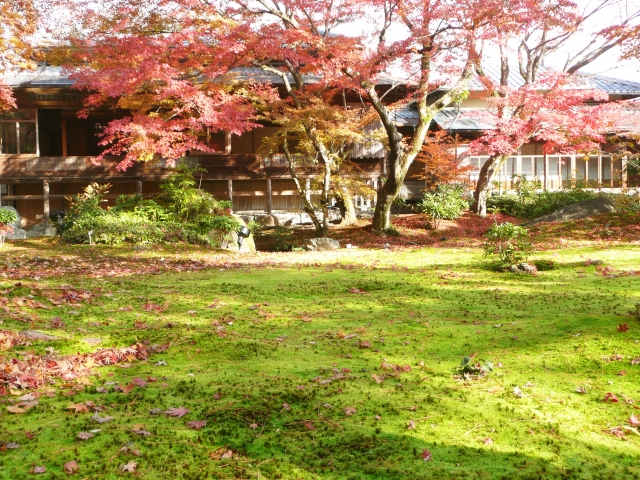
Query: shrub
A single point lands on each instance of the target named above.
(183, 200)
(534, 205)
(627, 202)
(510, 242)
(7, 217)
(182, 212)
(445, 202)
(113, 229)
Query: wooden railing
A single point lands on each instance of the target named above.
(26, 168)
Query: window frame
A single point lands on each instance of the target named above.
(17, 122)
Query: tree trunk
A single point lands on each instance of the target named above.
(304, 194)
(485, 178)
(387, 194)
(347, 208)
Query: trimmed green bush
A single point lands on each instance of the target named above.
(113, 229)
(534, 205)
(181, 213)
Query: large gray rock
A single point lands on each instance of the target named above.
(577, 211)
(321, 244)
(42, 229)
(35, 335)
(18, 222)
(268, 220)
(248, 245)
(18, 234)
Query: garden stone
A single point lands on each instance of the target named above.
(248, 244)
(40, 230)
(268, 221)
(577, 211)
(18, 222)
(321, 244)
(18, 234)
(523, 268)
(39, 336)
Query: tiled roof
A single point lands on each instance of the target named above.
(53, 77)
(584, 80)
(42, 77)
(447, 119)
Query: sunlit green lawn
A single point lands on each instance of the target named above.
(279, 361)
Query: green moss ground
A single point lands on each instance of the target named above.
(427, 308)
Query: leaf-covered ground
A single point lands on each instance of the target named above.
(180, 362)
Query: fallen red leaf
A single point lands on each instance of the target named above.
(610, 397)
(177, 412)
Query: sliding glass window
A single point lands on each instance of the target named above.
(18, 133)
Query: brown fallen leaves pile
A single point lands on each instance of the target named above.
(34, 371)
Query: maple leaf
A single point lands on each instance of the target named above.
(253, 426)
(139, 430)
(349, 411)
(227, 454)
(129, 467)
(177, 412)
(623, 327)
(517, 392)
(197, 424)
(137, 381)
(364, 344)
(85, 435)
(426, 455)
(488, 441)
(286, 406)
(634, 421)
(78, 408)
(610, 397)
(22, 407)
(70, 467)
(309, 426)
(57, 322)
(411, 425)
(38, 469)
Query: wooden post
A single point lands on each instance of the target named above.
(45, 214)
(230, 191)
(611, 171)
(64, 137)
(10, 192)
(572, 175)
(586, 171)
(546, 172)
(599, 170)
(269, 197)
(307, 189)
(139, 187)
(560, 172)
(227, 142)
(623, 168)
